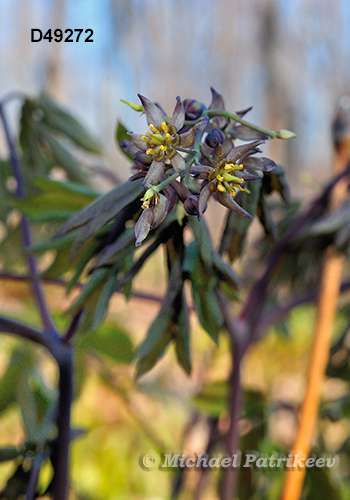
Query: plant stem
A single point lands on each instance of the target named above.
(167, 181)
(326, 312)
(26, 232)
(236, 118)
(64, 358)
(56, 281)
(239, 344)
(34, 475)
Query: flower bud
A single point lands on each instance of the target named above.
(285, 134)
(191, 205)
(193, 109)
(214, 137)
(135, 107)
(143, 158)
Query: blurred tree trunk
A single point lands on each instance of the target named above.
(280, 113)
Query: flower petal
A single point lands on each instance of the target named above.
(218, 153)
(246, 133)
(203, 198)
(263, 164)
(155, 116)
(181, 190)
(243, 112)
(191, 205)
(249, 177)
(143, 225)
(187, 138)
(171, 197)
(200, 171)
(160, 211)
(227, 201)
(239, 151)
(178, 162)
(217, 101)
(178, 118)
(137, 140)
(129, 147)
(154, 174)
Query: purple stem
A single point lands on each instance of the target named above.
(26, 233)
(34, 476)
(253, 309)
(64, 356)
(50, 337)
(239, 344)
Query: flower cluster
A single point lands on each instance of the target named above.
(191, 156)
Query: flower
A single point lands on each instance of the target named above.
(226, 176)
(162, 140)
(155, 209)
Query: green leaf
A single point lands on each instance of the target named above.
(181, 333)
(110, 341)
(27, 404)
(121, 134)
(276, 181)
(103, 299)
(10, 380)
(319, 485)
(211, 258)
(56, 197)
(10, 453)
(94, 285)
(203, 240)
(62, 122)
(98, 213)
(11, 249)
(204, 285)
(33, 160)
(16, 485)
(63, 157)
(266, 219)
(236, 227)
(6, 197)
(213, 399)
(170, 322)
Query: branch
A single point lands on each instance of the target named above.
(326, 312)
(60, 282)
(238, 333)
(26, 232)
(60, 482)
(8, 325)
(254, 306)
(34, 476)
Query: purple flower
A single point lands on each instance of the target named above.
(155, 209)
(226, 176)
(162, 139)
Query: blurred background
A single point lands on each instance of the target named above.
(290, 61)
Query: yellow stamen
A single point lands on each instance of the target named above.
(163, 148)
(146, 139)
(168, 137)
(164, 127)
(221, 188)
(154, 129)
(150, 151)
(219, 178)
(229, 188)
(238, 167)
(229, 166)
